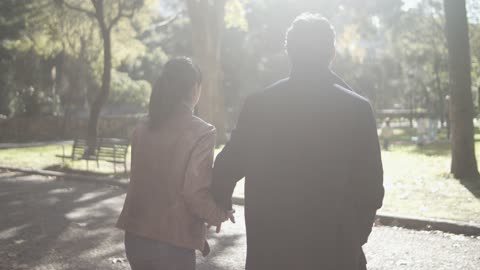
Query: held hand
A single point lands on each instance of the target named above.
(230, 215)
(218, 227)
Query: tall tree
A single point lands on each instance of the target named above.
(207, 22)
(464, 164)
(107, 20)
(475, 45)
(419, 45)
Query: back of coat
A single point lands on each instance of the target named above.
(309, 152)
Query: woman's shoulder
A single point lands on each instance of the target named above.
(141, 127)
(201, 124)
(202, 127)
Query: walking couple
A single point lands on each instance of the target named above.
(308, 150)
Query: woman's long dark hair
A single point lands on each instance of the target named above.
(175, 85)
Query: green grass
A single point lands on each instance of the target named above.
(417, 180)
(44, 157)
(405, 135)
(31, 157)
(417, 183)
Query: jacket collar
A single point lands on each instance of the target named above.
(186, 108)
(313, 74)
(317, 75)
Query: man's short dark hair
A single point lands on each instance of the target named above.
(310, 38)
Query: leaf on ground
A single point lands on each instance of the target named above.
(19, 241)
(118, 260)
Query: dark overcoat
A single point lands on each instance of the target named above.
(308, 149)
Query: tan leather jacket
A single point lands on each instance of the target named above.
(169, 197)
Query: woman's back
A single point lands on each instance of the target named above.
(171, 165)
(169, 200)
(160, 156)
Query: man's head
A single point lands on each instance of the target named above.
(310, 40)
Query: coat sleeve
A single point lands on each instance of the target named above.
(231, 162)
(133, 147)
(367, 172)
(198, 181)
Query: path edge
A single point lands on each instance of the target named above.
(394, 220)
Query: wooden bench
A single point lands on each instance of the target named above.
(111, 150)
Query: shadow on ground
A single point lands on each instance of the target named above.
(65, 169)
(473, 185)
(45, 221)
(226, 246)
(56, 224)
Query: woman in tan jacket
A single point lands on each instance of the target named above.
(168, 200)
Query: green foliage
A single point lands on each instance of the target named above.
(48, 29)
(32, 102)
(235, 15)
(423, 56)
(126, 91)
(394, 56)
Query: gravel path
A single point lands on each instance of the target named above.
(49, 224)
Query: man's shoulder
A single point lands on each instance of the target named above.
(277, 85)
(352, 97)
(267, 93)
(348, 96)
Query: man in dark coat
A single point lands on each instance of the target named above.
(308, 149)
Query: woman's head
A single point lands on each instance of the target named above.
(179, 83)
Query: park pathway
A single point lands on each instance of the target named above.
(48, 224)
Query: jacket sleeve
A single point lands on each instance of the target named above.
(367, 172)
(198, 180)
(231, 162)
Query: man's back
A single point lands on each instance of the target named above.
(309, 152)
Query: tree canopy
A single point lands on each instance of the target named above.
(52, 53)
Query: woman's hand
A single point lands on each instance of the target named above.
(229, 215)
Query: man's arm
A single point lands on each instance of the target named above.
(230, 164)
(367, 171)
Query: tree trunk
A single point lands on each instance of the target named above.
(59, 89)
(207, 22)
(464, 164)
(478, 91)
(102, 96)
(441, 107)
(439, 90)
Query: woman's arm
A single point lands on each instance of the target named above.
(198, 181)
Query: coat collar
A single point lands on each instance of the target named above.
(318, 75)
